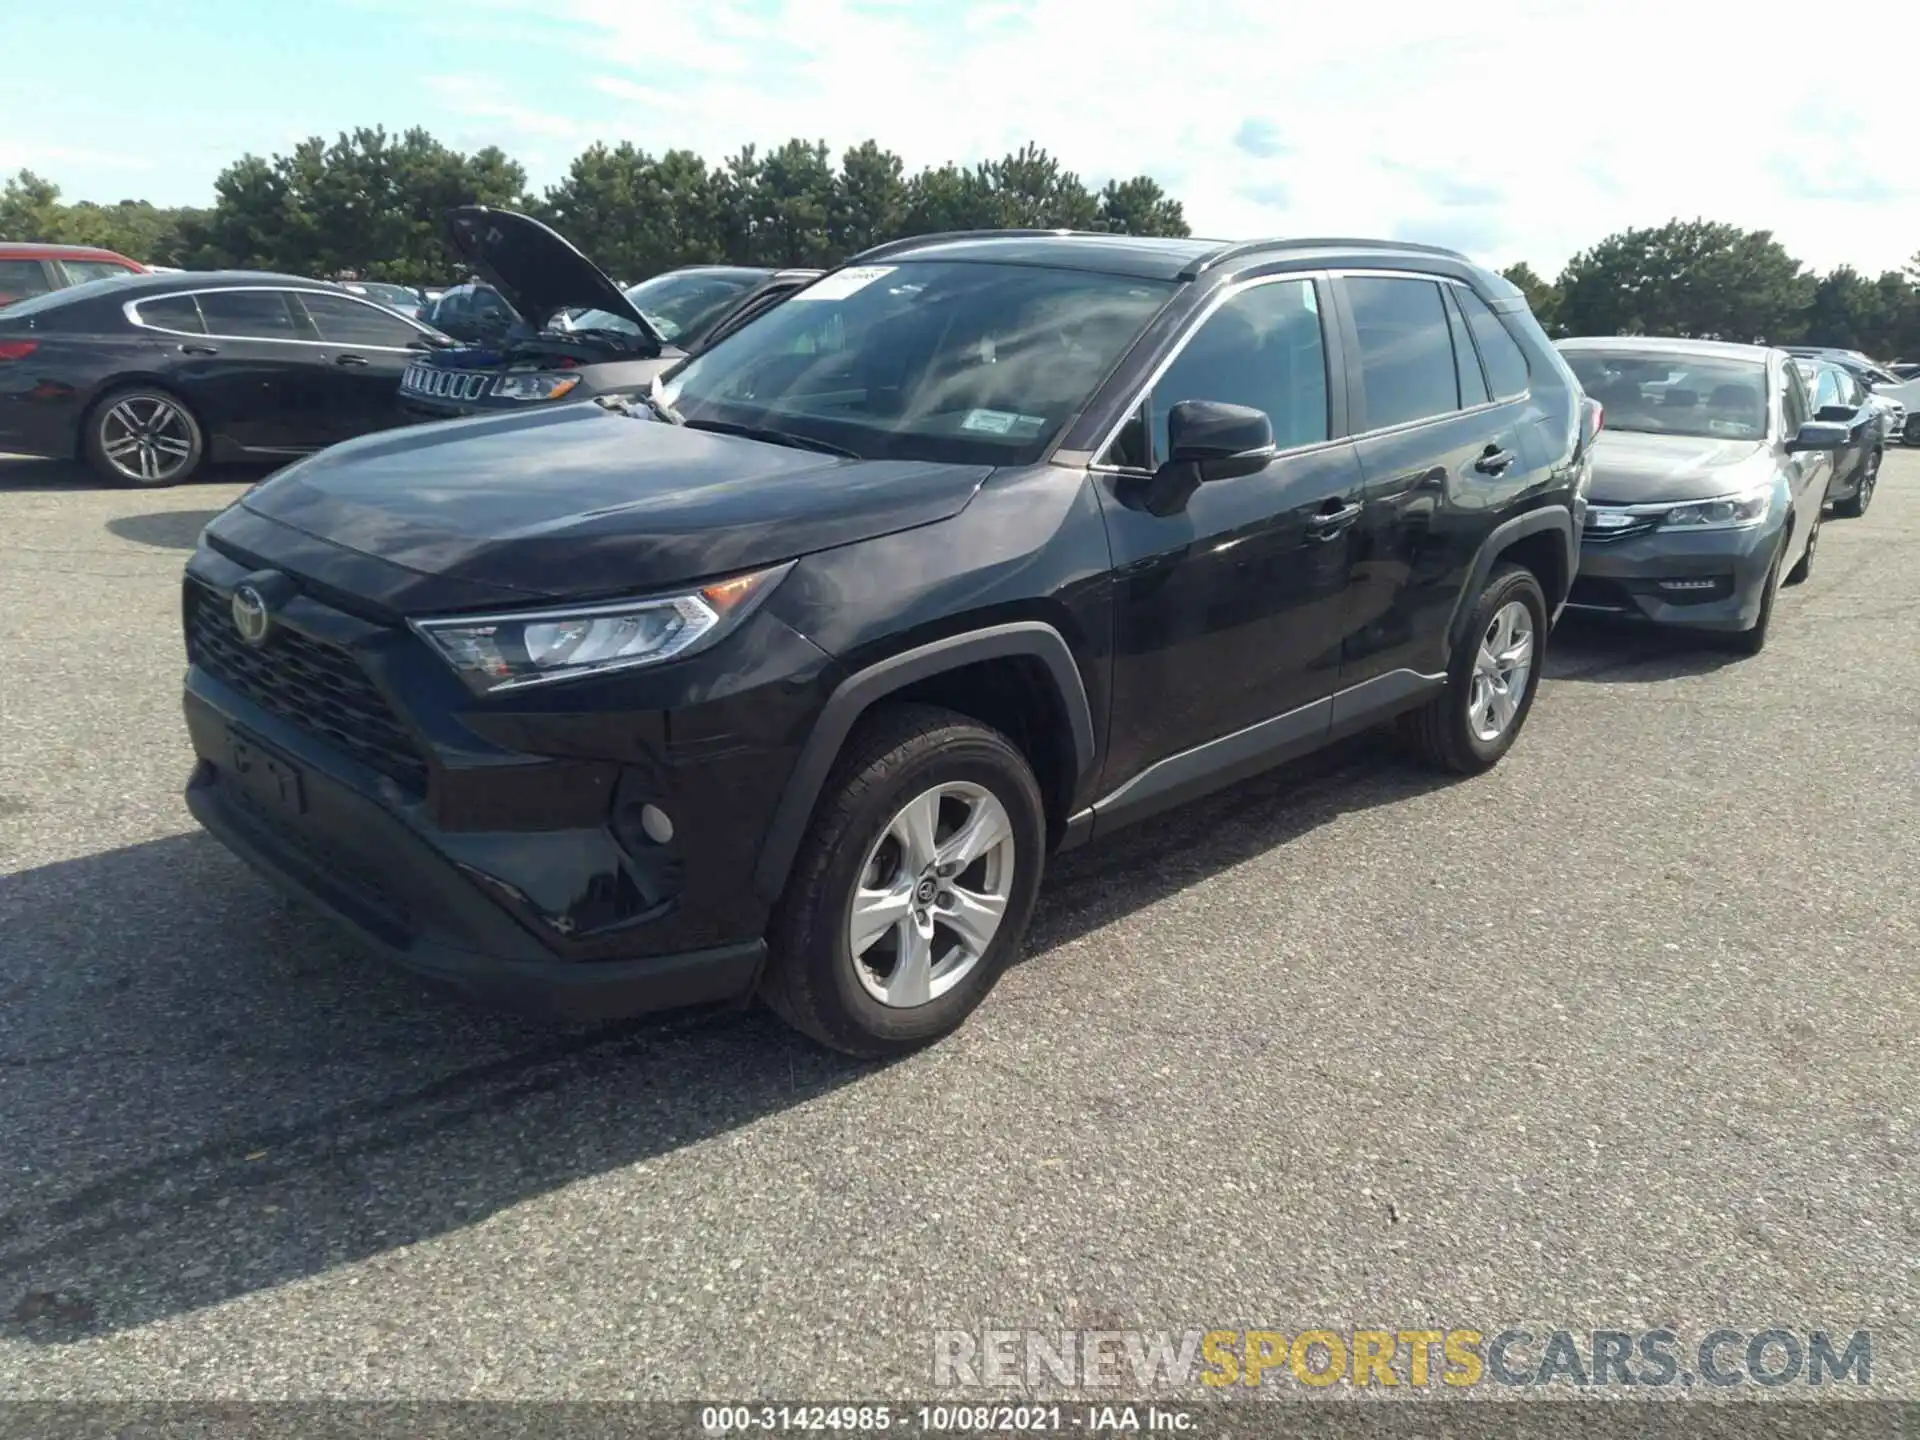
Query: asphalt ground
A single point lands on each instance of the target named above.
(1620, 1035)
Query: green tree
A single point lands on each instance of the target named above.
(1687, 277)
(1140, 207)
(1029, 189)
(870, 199)
(793, 203)
(1543, 299)
(30, 208)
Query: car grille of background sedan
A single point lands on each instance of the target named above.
(1600, 534)
(437, 384)
(314, 685)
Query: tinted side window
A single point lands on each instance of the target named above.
(250, 314)
(1473, 381)
(21, 278)
(1406, 350)
(349, 322)
(173, 312)
(1261, 348)
(1506, 362)
(1793, 402)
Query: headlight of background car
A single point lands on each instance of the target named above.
(1729, 512)
(533, 386)
(504, 652)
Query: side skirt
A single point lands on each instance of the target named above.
(1218, 763)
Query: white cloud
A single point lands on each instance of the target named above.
(1522, 129)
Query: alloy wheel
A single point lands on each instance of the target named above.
(147, 438)
(1500, 672)
(931, 895)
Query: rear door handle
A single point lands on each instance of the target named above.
(349, 359)
(1494, 461)
(199, 349)
(1326, 523)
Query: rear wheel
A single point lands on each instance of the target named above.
(1912, 433)
(1471, 723)
(144, 437)
(914, 886)
(1855, 505)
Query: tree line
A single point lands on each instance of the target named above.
(370, 204)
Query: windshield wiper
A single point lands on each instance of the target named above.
(774, 437)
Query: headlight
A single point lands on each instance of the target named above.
(1729, 512)
(505, 652)
(533, 386)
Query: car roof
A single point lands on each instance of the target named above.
(1670, 345)
(1151, 257)
(217, 280)
(34, 250)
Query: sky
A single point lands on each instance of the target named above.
(1511, 129)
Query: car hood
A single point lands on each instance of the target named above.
(580, 501)
(538, 272)
(1635, 468)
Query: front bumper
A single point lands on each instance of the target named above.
(410, 905)
(499, 846)
(1713, 580)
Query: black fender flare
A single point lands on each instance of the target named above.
(1032, 639)
(1556, 519)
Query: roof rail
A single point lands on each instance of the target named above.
(1255, 247)
(913, 242)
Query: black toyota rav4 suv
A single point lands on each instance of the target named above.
(787, 682)
(573, 334)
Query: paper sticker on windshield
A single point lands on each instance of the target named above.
(1002, 422)
(842, 283)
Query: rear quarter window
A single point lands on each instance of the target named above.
(1505, 361)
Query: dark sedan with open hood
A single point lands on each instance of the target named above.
(580, 336)
(1709, 476)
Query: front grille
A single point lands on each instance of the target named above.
(1626, 525)
(437, 384)
(312, 684)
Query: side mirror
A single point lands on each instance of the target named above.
(1206, 440)
(1839, 413)
(1218, 439)
(1820, 435)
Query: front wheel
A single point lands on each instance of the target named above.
(1753, 640)
(1491, 681)
(144, 437)
(914, 886)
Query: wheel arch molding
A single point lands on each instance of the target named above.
(1545, 525)
(1032, 640)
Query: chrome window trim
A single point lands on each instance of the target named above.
(1206, 313)
(131, 310)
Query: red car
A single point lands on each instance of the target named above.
(33, 269)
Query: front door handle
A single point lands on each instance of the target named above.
(350, 360)
(1332, 518)
(199, 349)
(1495, 461)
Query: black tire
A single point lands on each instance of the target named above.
(1753, 640)
(894, 754)
(1440, 731)
(104, 428)
(1911, 435)
(1803, 567)
(1855, 505)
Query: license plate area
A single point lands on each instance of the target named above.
(271, 781)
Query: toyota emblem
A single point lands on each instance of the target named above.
(250, 615)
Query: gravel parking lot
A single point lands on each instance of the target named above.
(1619, 1035)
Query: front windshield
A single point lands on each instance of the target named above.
(948, 361)
(674, 304)
(1707, 396)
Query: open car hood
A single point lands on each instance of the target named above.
(537, 271)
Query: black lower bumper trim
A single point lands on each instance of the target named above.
(568, 990)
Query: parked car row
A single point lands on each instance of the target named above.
(150, 376)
